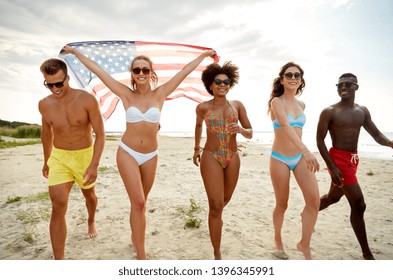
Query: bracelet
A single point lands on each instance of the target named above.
(197, 148)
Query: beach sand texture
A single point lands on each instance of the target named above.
(177, 196)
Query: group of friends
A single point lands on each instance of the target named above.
(71, 154)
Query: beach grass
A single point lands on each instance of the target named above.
(192, 220)
(24, 131)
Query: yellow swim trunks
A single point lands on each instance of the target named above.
(69, 166)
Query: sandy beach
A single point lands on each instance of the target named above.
(247, 231)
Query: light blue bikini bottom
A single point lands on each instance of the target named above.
(291, 162)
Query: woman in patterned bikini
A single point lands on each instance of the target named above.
(219, 162)
(290, 154)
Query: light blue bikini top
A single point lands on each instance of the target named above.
(299, 121)
(152, 115)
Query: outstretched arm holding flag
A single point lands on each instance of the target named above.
(122, 90)
(114, 58)
(143, 102)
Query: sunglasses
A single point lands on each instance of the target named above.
(290, 75)
(58, 84)
(347, 85)
(137, 70)
(226, 82)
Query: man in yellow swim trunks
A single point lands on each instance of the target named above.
(68, 118)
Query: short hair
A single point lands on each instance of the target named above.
(349, 75)
(214, 69)
(52, 66)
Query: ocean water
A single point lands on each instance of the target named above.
(367, 147)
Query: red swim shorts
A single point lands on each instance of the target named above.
(347, 162)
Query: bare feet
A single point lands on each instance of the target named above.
(141, 256)
(368, 256)
(91, 230)
(305, 250)
(280, 254)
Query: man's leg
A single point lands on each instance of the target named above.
(91, 205)
(333, 196)
(358, 207)
(58, 228)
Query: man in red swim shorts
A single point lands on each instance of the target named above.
(343, 121)
(347, 162)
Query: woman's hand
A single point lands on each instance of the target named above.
(196, 158)
(67, 50)
(311, 161)
(234, 128)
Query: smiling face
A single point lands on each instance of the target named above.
(144, 68)
(220, 89)
(347, 86)
(292, 78)
(57, 83)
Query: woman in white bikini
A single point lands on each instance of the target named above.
(137, 152)
(290, 154)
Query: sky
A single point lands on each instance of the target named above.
(326, 38)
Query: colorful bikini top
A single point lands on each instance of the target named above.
(152, 115)
(220, 127)
(299, 121)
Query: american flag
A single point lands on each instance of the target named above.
(116, 56)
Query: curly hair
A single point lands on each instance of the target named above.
(214, 69)
(153, 78)
(52, 66)
(278, 88)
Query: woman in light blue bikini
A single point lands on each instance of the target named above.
(290, 154)
(137, 152)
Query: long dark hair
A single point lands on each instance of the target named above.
(278, 88)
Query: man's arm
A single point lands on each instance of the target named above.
(97, 124)
(372, 129)
(322, 130)
(46, 140)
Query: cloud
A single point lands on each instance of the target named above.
(323, 36)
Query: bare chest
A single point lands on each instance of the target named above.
(66, 117)
(349, 119)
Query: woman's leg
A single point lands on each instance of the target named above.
(309, 186)
(231, 176)
(213, 179)
(280, 175)
(134, 179)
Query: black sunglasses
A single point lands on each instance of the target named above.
(58, 84)
(226, 82)
(137, 70)
(290, 75)
(347, 85)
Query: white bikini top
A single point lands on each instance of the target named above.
(152, 115)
